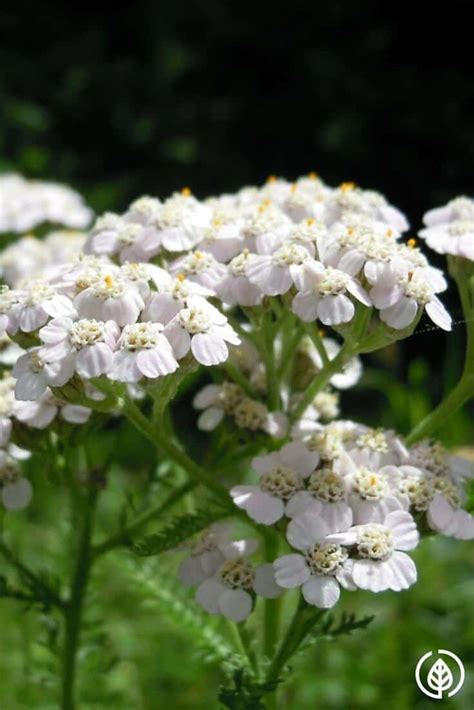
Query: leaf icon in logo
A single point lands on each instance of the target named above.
(440, 677)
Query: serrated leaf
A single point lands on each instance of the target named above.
(330, 628)
(179, 529)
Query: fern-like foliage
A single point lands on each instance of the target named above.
(172, 601)
(179, 529)
(245, 693)
(331, 628)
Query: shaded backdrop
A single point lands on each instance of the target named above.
(148, 97)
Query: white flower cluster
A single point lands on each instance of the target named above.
(450, 229)
(25, 204)
(327, 248)
(227, 583)
(355, 500)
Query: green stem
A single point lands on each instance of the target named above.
(272, 606)
(74, 607)
(244, 644)
(463, 391)
(302, 623)
(237, 376)
(313, 331)
(463, 273)
(124, 536)
(322, 379)
(288, 354)
(268, 354)
(196, 472)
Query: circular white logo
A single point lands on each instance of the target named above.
(440, 679)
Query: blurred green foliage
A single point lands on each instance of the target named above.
(146, 645)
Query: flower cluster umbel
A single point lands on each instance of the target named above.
(245, 282)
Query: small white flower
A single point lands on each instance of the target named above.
(281, 477)
(350, 199)
(89, 343)
(399, 302)
(201, 268)
(323, 294)
(203, 329)
(205, 556)
(9, 351)
(232, 589)
(16, 492)
(450, 229)
(321, 568)
(28, 203)
(37, 302)
(7, 407)
(181, 220)
(222, 239)
(216, 401)
(374, 448)
(381, 561)
(171, 296)
(40, 413)
(274, 274)
(34, 374)
(143, 351)
(235, 288)
(450, 520)
(110, 297)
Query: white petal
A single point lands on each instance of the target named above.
(56, 330)
(322, 592)
(302, 502)
(291, 571)
(210, 418)
(209, 349)
(59, 306)
(306, 530)
(235, 604)
(179, 339)
(30, 386)
(400, 315)
(75, 414)
(404, 530)
(344, 576)
(190, 572)
(372, 575)
(124, 368)
(264, 582)
(356, 290)
(438, 314)
(305, 305)
(157, 361)
(235, 549)
(17, 495)
(333, 310)
(403, 571)
(206, 397)
(208, 593)
(296, 456)
(94, 360)
(338, 516)
(264, 464)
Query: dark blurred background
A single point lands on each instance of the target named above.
(146, 97)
